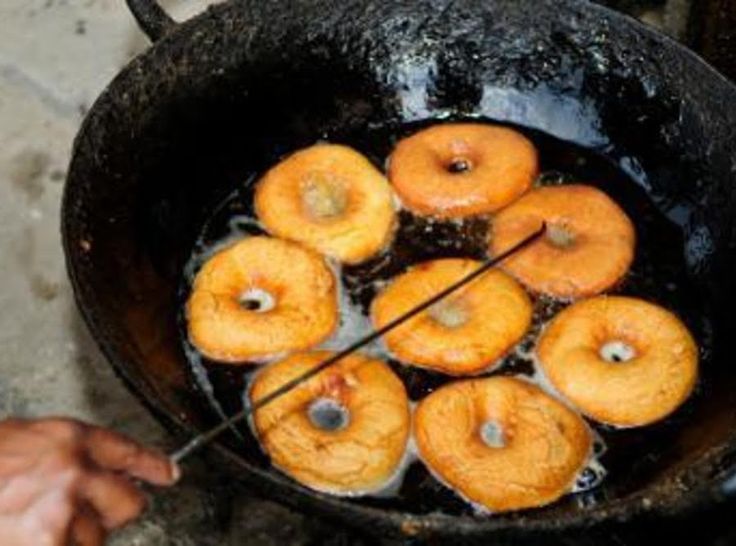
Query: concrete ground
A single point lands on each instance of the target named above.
(55, 57)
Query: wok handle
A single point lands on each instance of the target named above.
(151, 17)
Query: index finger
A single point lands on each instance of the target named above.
(113, 451)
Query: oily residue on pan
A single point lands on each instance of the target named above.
(659, 274)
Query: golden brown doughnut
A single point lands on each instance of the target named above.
(501, 442)
(260, 297)
(460, 169)
(621, 361)
(358, 453)
(463, 334)
(329, 198)
(588, 247)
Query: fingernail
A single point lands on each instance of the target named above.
(175, 472)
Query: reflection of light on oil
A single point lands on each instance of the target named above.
(354, 324)
(542, 108)
(632, 167)
(239, 227)
(412, 77)
(699, 247)
(205, 385)
(590, 477)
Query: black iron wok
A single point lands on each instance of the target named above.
(254, 79)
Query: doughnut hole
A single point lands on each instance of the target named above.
(492, 434)
(613, 343)
(450, 314)
(458, 157)
(328, 414)
(257, 300)
(560, 235)
(459, 165)
(324, 196)
(617, 351)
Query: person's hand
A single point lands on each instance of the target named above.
(63, 482)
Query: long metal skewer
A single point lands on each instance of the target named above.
(206, 437)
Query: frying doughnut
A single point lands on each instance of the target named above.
(588, 247)
(501, 442)
(329, 198)
(464, 333)
(461, 169)
(621, 361)
(343, 431)
(260, 297)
